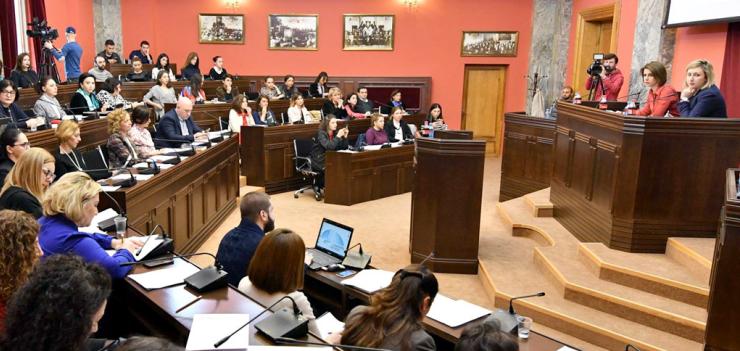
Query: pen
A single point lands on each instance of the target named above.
(189, 304)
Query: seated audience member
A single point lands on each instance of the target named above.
(363, 104)
(139, 134)
(662, 97)
(147, 343)
(700, 97)
(567, 93)
(161, 94)
(237, 248)
(98, 71)
(191, 66)
(393, 320)
(163, 64)
(486, 336)
(121, 151)
(240, 114)
(84, 99)
(297, 112)
(435, 118)
(318, 89)
(23, 76)
(350, 106)
(137, 73)
(376, 135)
(271, 90)
(40, 316)
(110, 94)
(395, 101)
(328, 138)
(194, 90)
(227, 91)
(397, 129)
(71, 203)
(109, 53)
(276, 270)
(334, 105)
(67, 157)
(13, 144)
(142, 53)
(609, 81)
(288, 88)
(27, 181)
(47, 105)
(177, 127)
(263, 115)
(19, 251)
(217, 72)
(11, 111)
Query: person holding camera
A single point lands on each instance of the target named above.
(70, 53)
(605, 78)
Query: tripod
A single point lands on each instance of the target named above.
(595, 82)
(48, 66)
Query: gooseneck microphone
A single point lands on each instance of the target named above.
(296, 312)
(508, 320)
(511, 301)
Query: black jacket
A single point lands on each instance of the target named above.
(5, 166)
(190, 71)
(24, 79)
(16, 115)
(386, 109)
(216, 76)
(330, 109)
(390, 130)
(321, 145)
(19, 199)
(313, 90)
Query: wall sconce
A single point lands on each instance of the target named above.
(233, 4)
(411, 4)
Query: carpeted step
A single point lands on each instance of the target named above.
(696, 254)
(539, 202)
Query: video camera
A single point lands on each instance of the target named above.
(596, 67)
(40, 30)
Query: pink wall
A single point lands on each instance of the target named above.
(427, 40)
(79, 14)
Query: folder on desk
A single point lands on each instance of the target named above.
(370, 280)
(162, 278)
(455, 313)
(207, 329)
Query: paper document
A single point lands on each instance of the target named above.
(454, 313)
(108, 188)
(149, 245)
(370, 280)
(328, 324)
(207, 329)
(162, 278)
(94, 223)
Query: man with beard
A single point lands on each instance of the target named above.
(610, 77)
(238, 245)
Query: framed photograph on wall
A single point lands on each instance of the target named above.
(293, 32)
(368, 32)
(214, 28)
(489, 44)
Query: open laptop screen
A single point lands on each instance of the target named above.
(334, 238)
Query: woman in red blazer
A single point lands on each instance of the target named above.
(662, 97)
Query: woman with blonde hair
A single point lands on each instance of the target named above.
(69, 204)
(700, 97)
(121, 151)
(27, 181)
(276, 270)
(68, 158)
(19, 251)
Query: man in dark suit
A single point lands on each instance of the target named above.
(177, 127)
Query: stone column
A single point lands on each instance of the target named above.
(107, 24)
(548, 54)
(651, 43)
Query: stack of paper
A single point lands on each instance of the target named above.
(370, 280)
(162, 278)
(328, 324)
(207, 329)
(455, 313)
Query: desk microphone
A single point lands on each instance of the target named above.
(357, 259)
(127, 183)
(284, 323)
(191, 152)
(167, 245)
(339, 346)
(508, 319)
(206, 279)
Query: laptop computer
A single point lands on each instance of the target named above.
(331, 244)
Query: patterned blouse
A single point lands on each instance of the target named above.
(142, 141)
(112, 100)
(120, 152)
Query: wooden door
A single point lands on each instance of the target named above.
(596, 32)
(483, 104)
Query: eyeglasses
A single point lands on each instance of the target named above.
(25, 145)
(48, 173)
(8, 92)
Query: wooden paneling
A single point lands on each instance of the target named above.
(632, 182)
(526, 164)
(92, 133)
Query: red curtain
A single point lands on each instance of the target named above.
(731, 71)
(37, 8)
(8, 35)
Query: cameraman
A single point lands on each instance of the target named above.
(71, 53)
(611, 78)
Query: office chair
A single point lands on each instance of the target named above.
(302, 163)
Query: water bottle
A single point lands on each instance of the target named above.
(602, 103)
(577, 99)
(548, 113)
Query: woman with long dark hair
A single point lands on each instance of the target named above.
(23, 75)
(318, 88)
(163, 64)
(191, 66)
(13, 143)
(194, 91)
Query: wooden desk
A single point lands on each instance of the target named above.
(632, 182)
(189, 200)
(354, 177)
(526, 164)
(267, 153)
(326, 289)
(92, 133)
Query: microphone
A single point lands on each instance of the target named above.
(508, 320)
(356, 260)
(206, 279)
(280, 324)
(126, 183)
(431, 255)
(191, 152)
(340, 346)
(630, 95)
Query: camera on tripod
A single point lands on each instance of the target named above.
(40, 30)
(596, 67)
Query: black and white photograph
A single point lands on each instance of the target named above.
(489, 43)
(368, 32)
(293, 32)
(220, 28)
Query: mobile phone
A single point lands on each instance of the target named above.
(345, 273)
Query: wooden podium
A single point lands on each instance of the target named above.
(723, 320)
(445, 204)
